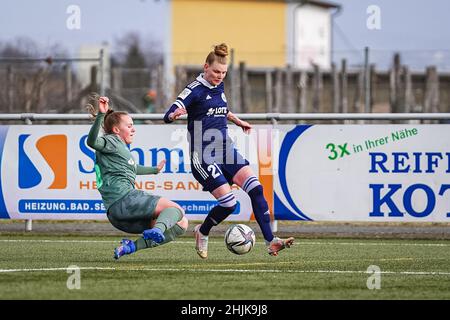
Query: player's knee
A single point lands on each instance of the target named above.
(183, 213)
(176, 205)
(252, 184)
(257, 197)
(258, 190)
(179, 210)
(183, 223)
(228, 203)
(231, 209)
(256, 193)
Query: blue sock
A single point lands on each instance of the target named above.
(227, 204)
(260, 207)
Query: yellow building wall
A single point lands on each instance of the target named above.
(254, 29)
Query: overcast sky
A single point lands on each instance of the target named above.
(45, 21)
(420, 29)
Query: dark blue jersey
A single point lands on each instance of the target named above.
(215, 160)
(207, 110)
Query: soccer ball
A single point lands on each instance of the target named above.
(240, 238)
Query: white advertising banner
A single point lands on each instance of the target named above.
(362, 172)
(47, 172)
(318, 173)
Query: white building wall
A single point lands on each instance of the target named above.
(311, 33)
(83, 69)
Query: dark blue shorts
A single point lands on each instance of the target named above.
(211, 173)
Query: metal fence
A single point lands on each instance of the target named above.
(30, 117)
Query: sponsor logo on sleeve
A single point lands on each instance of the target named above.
(185, 93)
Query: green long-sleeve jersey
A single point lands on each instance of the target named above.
(115, 167)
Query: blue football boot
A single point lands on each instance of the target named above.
(126, 247)
(154, 234)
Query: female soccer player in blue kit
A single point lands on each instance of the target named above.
(216, 164)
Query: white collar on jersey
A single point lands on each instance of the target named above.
(204, 82)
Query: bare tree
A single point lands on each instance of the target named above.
(26, 79)
(134, 61)
(131, 51)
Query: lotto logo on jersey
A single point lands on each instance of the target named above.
(42, 160)
(218, 111)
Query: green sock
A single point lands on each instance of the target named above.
(169, 234)
(168, 218)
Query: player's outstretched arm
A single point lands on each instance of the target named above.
(140, 170)
(241, 123)
(93, 140)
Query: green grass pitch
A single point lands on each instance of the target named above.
(35, 267)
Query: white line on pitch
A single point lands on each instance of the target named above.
(57, 241)
(419, 273)
(298, 242)
(376, 244)
(54, 269)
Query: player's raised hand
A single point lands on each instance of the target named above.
(161, 165)
(103, 104)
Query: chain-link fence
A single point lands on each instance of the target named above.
(49, 85)
(357, 81)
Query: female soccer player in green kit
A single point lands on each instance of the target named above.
(159, 220)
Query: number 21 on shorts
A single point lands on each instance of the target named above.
(214, 170)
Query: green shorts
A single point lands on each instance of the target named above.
(134, 212)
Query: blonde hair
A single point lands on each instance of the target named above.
(219, 54)
(112, 118)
